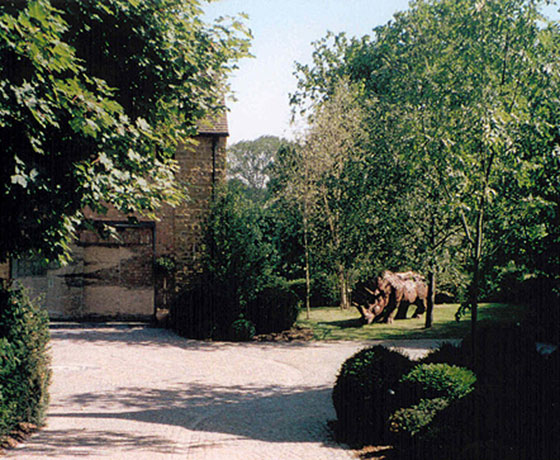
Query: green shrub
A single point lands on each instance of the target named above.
(514, 408)
(503, 354)
(422, 393)
(445, 353)
(405, 423)
(428, 381)
(235, 267)
(274, 308)
(242, 330)
(24, 363)
(363, 393)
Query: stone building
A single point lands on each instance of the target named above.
(119, 278)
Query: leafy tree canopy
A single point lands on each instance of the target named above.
(94, 96)
(250, 161)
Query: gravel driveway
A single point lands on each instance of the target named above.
(135, 392)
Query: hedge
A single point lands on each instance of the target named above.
(24, 362)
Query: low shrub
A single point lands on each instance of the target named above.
(515, 407)
(503, 354)
(204, 310)
(242, 330)
(422, 393)
(274, 308)
(405, 423)
(24, 362)
(445, 353)
(363, 393)
(428, 381)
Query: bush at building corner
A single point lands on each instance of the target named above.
(24, 362)
(236, 276)
(242, 329)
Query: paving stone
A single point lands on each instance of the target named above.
(135, 392)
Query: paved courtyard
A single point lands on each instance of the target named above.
(135, 392)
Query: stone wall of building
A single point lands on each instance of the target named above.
(122, 279)
(201, 176)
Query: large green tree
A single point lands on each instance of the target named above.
(250, 161)
(94, 96)
(471, 91)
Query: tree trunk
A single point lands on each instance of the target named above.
(307, 275)
(431, 297)
(343, 287)
(431, 275)
(475, 282)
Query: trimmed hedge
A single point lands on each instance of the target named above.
(405, 423)
(426, 390)
(363, 395)
(428, 381)
(24, 362)
(274, 309)
(514, 411)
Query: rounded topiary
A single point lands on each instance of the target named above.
(242, 330)
(274, 308)
(363, 395)
(405, 423)
(428, 381)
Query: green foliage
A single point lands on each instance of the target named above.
(236, 275)
(237, 254)
(165, 264)
(429, 381)
(426, 390)
(24, 363)
(242, 330)
(513, 410)
(463, 96)
(250, 161)
(363, 393)
(405, 423)
(94, 97)
(275, 308)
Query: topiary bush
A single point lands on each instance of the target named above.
(274, 309)
(428, 381)
(406, 422)
(363, 395)
(422, 393)
(513, 412)
(242, 330)
(24, 362)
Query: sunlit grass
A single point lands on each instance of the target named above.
(332, 323)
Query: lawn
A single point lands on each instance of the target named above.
(332, 323)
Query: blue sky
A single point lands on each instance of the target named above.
(283, 31)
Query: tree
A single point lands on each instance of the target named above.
(94, 97)
(249, 161)
(334, 142)
(469, 86)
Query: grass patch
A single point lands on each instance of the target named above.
(332, 323)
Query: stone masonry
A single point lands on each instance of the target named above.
(117, 279)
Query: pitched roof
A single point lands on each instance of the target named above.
(214, 125)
